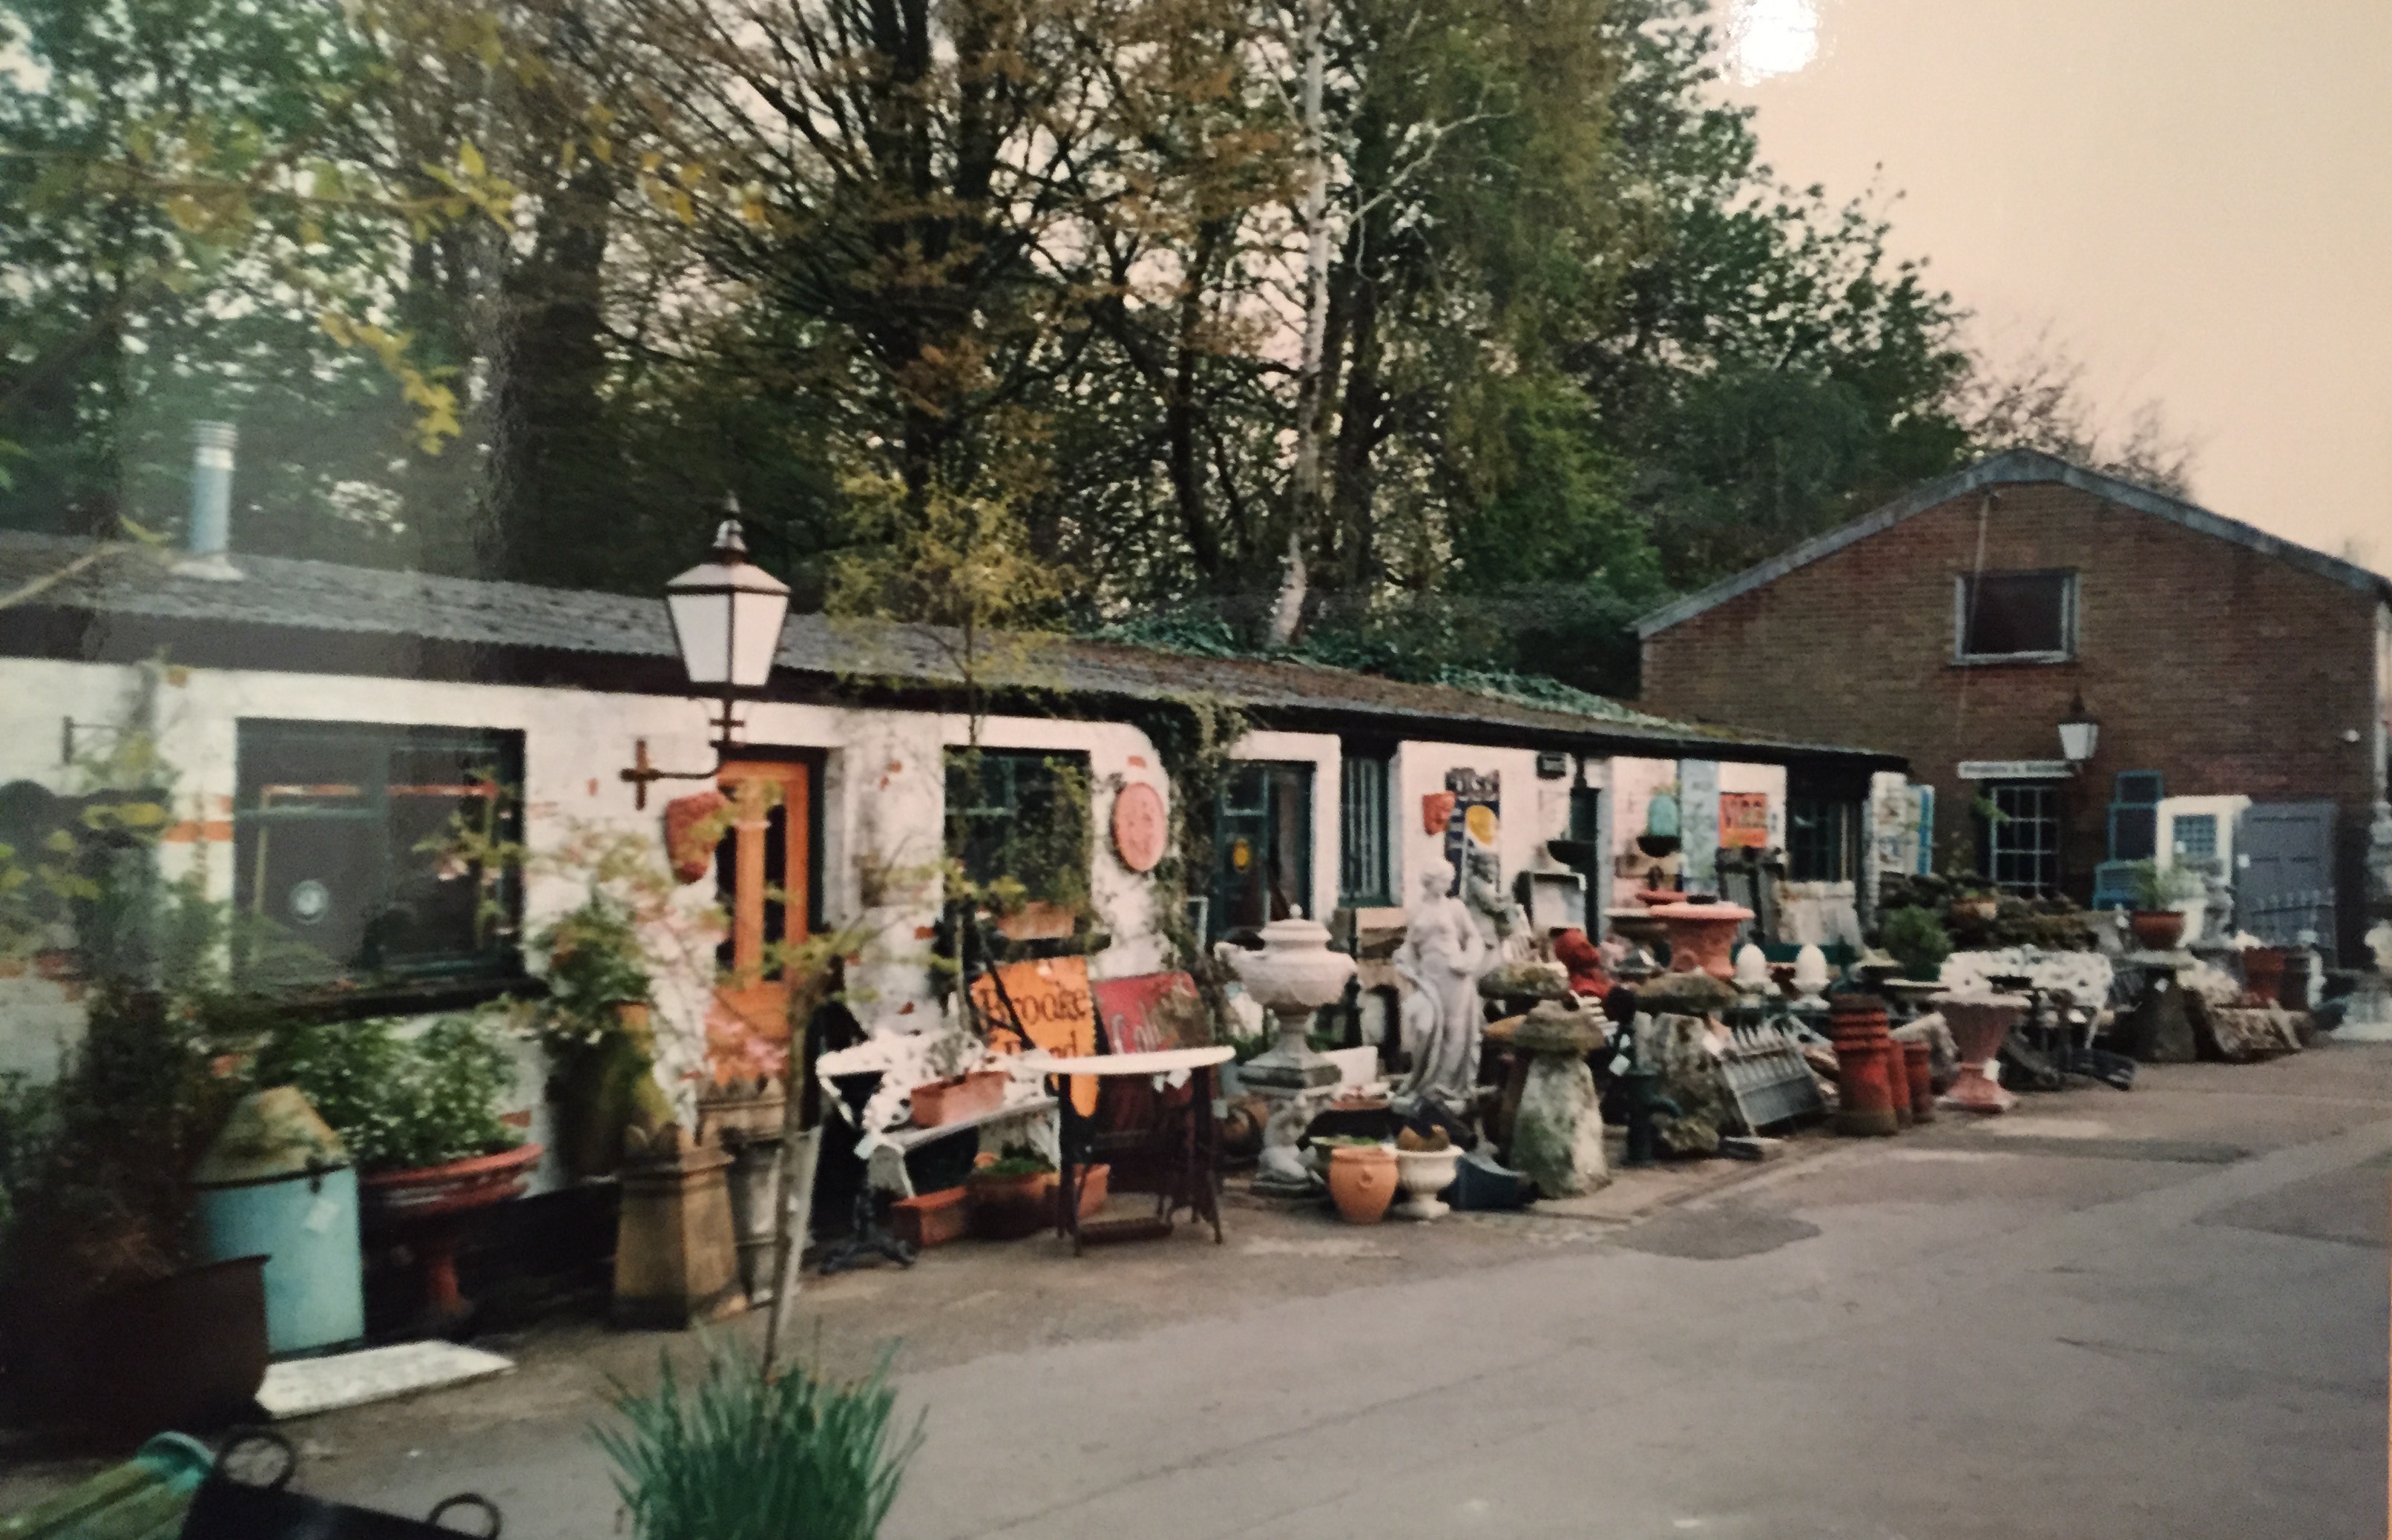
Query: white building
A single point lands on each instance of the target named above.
(322, 723)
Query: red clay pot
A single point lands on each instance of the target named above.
(1008, 1208)
(1865, 1089)
(1362, 1181)
(1897, 1083)
(953, 1100)
(2263, 973)
(1918, 1064)
(2157, 930)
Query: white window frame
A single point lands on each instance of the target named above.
(1962, 657)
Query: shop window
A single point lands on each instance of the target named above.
(1262, 846)
(1016, 817)
(2021, 837)
(1822, 840)
(2015, 617)
(1362, 850)
(348, 856)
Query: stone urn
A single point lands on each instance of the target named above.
(1979, 1023)
(1423, 1174)
(1701, 935)
(1362, 1181)
(1292, 975)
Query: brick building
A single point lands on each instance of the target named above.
(1961, 624)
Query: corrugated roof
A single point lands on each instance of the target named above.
(2014, 467)
(323, 597)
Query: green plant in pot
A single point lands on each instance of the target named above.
(1917, 939)
(595, 1026)
(1011, 1196)
(2156, 890)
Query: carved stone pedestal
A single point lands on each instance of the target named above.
(676, 1251)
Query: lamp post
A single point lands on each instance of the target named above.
(727, 614)
(2079, 733)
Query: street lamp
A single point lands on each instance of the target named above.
(726, 619)
(2079, 733)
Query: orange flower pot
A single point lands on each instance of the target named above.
(952, 1100)
(1362, 1181)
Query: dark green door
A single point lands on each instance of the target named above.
(1262, 846)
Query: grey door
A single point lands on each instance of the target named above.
(2283, 870)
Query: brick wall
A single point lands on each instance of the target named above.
(2225, 669)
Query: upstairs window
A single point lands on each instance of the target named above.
(350, 862)
(2015, 618)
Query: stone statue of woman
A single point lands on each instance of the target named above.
(1441, 958)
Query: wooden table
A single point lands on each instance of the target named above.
(1178, 1144)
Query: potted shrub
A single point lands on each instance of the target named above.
(594, 1026)
(2157, 926)
(421, 1117)
(1918, 941)
(1010, 1196)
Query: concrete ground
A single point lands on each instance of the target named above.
(2154, 1313)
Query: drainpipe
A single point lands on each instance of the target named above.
(210, 533)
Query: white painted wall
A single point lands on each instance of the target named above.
(1419, 771)
(883, 795)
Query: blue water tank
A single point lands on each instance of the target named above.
(277, 1182)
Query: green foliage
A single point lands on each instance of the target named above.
(736, 1456)
(1019, 831)
(399, 1103)
(595, 962)
(1917, 939)
(2155, 887)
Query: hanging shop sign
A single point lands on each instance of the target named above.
(1743, 821)
(1476, 817)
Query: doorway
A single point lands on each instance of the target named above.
(766, 880)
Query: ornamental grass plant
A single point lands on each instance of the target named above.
(738, 1454)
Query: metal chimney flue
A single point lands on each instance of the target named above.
(209, 539)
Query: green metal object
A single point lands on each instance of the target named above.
(142, 1499)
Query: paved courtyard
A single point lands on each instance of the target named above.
(2158, 1314)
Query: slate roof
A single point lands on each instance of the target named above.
(282, 596)
(2013, 467)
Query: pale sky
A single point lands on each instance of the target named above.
(2193, 197)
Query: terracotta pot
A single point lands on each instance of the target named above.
(1702, 936)
(937, 1103)
(1979, 1023)
(1008, 1208)
(1362, 1181)
(2157, 930)
(2263, 973)
(1095, 1186)
(1897, 1083)
(1864, 1091)
(1919, 1066)
(451, 1188)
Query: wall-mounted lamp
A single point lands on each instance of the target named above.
(2079, 733)
(726, 619)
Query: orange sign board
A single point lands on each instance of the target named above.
(1050, 997)
(1743, 821)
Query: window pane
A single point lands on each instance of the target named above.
(2023, 838)
(1362, 851)
(1819, 839)
(2006, 614)
(1022, 816)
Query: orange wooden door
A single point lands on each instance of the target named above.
(763, 873)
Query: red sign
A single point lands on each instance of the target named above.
(1743, 821)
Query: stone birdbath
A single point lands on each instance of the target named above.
(1294, 974)
(1979, 1023)
(1557, 1134)
(1700, 935)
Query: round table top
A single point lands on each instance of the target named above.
(1160, 1063)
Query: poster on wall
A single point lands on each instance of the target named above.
(1743, 821)
(1476, 818)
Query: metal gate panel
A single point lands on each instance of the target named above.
(2283, 872)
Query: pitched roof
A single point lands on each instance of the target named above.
(2010, 468)
(283, 596)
